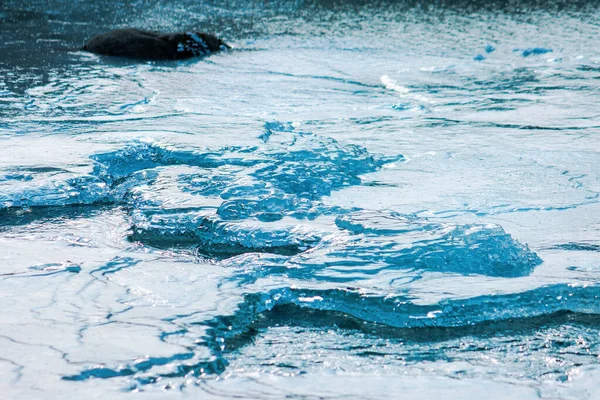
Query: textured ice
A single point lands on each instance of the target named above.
(394, 317)
(534, 51)
(215, 237)
(56, 190)
(400, 242)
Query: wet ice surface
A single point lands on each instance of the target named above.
(358, 201)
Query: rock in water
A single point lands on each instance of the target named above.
(135, 43)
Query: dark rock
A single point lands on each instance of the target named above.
(135, 43)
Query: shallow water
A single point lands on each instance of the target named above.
(359, 200)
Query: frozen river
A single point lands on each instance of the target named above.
(385, 200)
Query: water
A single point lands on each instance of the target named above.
(360, 200)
